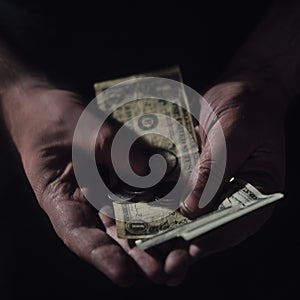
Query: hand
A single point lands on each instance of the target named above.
(254, 134)
(45, 147)
(252, 117)
(42, 129)
(164, 264)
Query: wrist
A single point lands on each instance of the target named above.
(16, 102)
(272, 50)
(34, 110)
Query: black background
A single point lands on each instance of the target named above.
(33, 261)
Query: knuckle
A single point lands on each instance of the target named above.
(203, 175)
(204, 171)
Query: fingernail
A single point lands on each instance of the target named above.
(185, 210)
(195, 251)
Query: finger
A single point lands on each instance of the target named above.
(212, 171)
(151, 263)
(96, 247)
(177, 264)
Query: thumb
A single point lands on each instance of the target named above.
(212, 172)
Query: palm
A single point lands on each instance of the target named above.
(47, 159)
(48, 165)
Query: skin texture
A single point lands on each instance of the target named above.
(45, 147)
(250, 103)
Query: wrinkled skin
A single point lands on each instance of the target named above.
(43, 132)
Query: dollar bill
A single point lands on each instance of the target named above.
(241, 199)
(142, 219)
(171, 138)
(175, 141)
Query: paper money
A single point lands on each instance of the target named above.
(142, 219)
(244, 200)
(180, 150)
(183, 151)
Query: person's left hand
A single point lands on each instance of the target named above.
(42, 122)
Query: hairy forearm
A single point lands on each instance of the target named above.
(272, 53)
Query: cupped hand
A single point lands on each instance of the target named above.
(43, 133)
